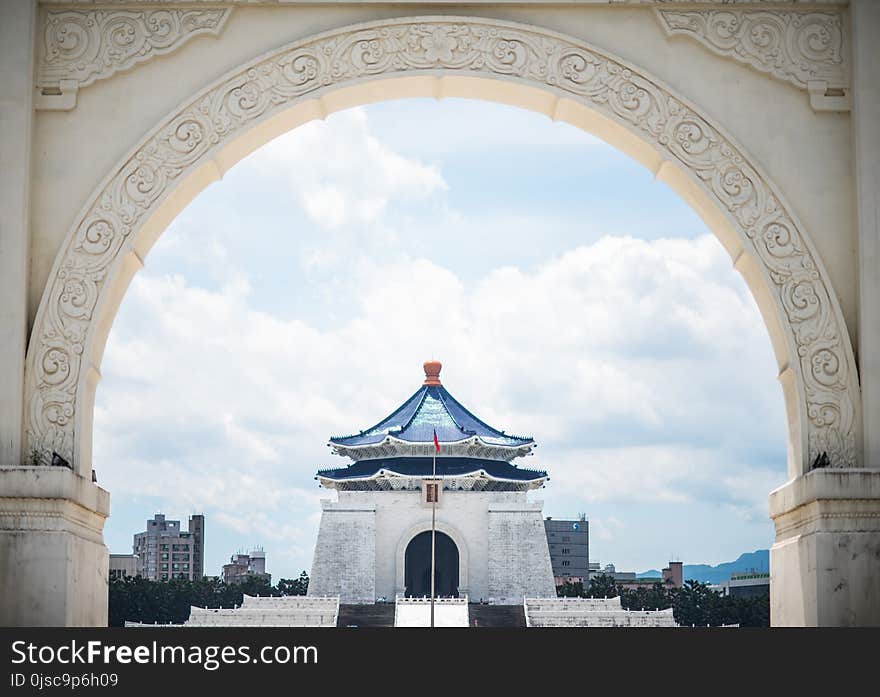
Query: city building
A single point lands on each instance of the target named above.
(124, 565)
(745, 585)
(569, 544)
(243, 566)
(165, 551)
(596, 569)
(374, 539)
(673, 575)
(197, 530)
(632, 583)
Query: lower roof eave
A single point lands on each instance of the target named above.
(330, 482)
(361, 451)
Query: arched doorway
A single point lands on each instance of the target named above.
(417, 573)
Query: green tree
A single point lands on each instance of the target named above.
(603, 586)
(693, 604)
(697, 604)
(570, 590)
(136, 599)
(657, 597)
(294, 586)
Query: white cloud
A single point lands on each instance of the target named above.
(605, 528)
(617, 356)
(342, 174)
(642, 367)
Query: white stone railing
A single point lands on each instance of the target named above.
(260, 618)
(567, 604)
(256, 611)
(291, 602)
(591, 612)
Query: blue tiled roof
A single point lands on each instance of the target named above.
(430, 408)
(422, 467)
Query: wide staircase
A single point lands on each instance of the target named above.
(375, 615)
(496, 615)
(416, 612)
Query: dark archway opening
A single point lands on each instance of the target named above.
(417, 576)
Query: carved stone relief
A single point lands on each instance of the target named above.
(78, 47)
(806, 49)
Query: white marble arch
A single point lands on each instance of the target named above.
(442, 56)
(418, 528)
(523, 65)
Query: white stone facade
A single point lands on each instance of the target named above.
(518, 554)
(362, 540)
(345, 553)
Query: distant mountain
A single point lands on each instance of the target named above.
(758, 560)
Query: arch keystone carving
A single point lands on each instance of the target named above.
(805, 49)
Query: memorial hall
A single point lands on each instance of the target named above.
(374, 540)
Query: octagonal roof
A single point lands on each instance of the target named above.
(432, 409)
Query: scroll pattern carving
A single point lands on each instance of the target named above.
(87, 45)
(586, 2)
(94, 248)
(797, 47)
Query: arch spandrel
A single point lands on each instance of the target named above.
(443, 56)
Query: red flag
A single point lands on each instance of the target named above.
(436, 442)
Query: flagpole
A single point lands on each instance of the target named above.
(433, 523)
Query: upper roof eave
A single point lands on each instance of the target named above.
(393, 439)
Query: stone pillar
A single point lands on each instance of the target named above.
(519, 556)
(53, 562)
(52, 555)
(825, 563)
(865, 29)
(16, 114)
(345, 552)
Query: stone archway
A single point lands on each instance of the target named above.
(523, 65)
(455, 537)
(439, 56)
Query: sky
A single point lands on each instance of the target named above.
(569, 295)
